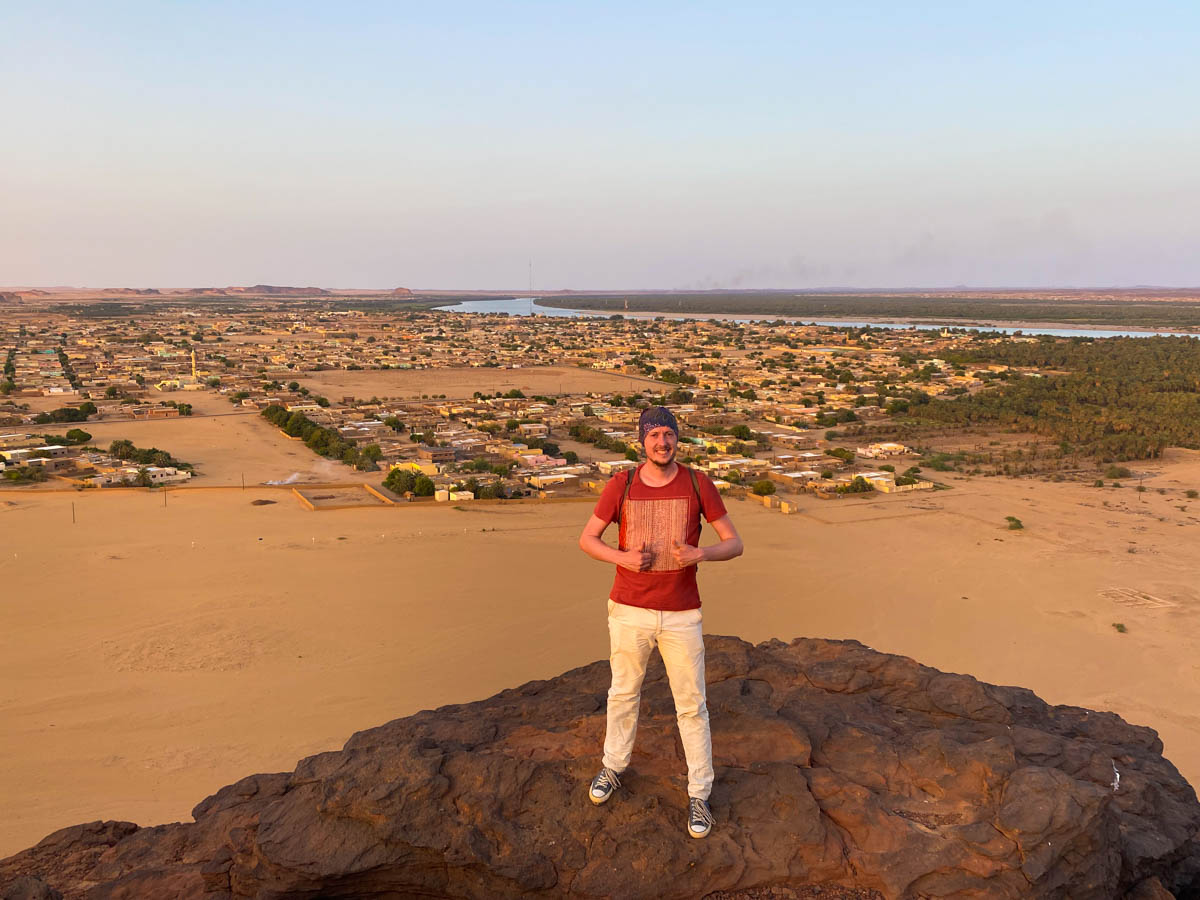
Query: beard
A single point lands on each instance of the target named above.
(662, 465)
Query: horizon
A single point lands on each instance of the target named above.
(521, 292)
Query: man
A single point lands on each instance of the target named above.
(655, 601)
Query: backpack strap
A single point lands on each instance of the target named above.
(630, 473)
(699, 502)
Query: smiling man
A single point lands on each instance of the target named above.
(655, 601)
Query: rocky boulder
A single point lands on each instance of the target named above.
(841, 773)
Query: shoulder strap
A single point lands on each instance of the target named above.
(629, 475)
(699, 500)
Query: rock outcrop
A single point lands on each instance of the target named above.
(841, 772)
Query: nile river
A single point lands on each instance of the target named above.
(526, 306)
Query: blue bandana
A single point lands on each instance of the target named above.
(656, 417)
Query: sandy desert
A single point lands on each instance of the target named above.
(156, 652)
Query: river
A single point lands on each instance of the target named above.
(527, 306)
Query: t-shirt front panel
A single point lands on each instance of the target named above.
(655, 518)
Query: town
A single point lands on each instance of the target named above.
(770, 409)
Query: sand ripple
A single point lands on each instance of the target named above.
(212, 646)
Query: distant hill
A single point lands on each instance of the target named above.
(274, 291)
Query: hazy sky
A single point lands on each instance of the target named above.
(619, 145)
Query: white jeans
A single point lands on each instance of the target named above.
(634, 632)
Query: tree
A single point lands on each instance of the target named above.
(400, 481)
(143, 478)
(424, 486)
(859, 485)
(78, 436)
(631, 454)
(763, 488)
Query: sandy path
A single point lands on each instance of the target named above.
(140, 671)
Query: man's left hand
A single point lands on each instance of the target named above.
(686, 555)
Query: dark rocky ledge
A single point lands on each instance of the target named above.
(841, 772)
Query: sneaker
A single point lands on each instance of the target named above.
(700, 818)
(603, 786)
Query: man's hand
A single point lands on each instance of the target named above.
(637, 560)
(686, 555)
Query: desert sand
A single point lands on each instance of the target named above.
(151, 654)
(463, 382)
(226, 446)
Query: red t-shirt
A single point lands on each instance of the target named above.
(656, 517)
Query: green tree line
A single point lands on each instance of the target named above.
(323, 441)
(1115, 399)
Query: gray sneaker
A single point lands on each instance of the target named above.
(700, 818)
(603, 786)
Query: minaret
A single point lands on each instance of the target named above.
(193, 365)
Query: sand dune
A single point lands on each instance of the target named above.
(151, 654)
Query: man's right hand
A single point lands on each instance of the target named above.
(637, 560)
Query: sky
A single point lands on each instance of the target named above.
(615, 146)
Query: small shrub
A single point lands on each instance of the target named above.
(1014, 524)
(1120, 626)
(1099, 483)
(1117, 472)
(1192, 495)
